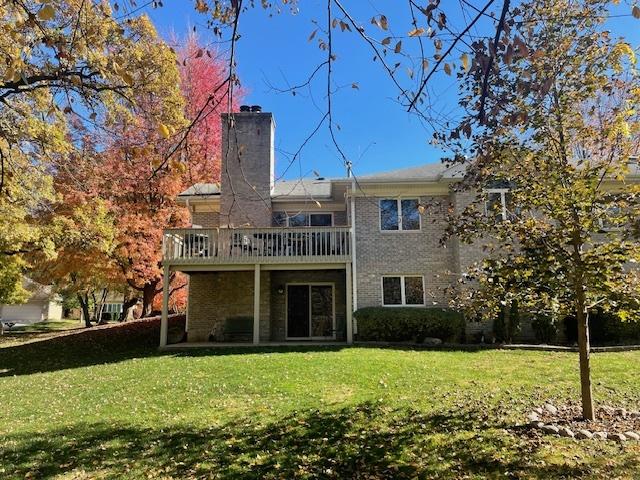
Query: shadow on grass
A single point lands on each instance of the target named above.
(363, 441)
(115, 343)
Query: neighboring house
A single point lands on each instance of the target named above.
(274, 261)
(42, 305)
(111, 308)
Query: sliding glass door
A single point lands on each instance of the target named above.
(310, 311)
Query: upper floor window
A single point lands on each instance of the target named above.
(611, 219)
(281, 219)
(496, 203)
(399, 214)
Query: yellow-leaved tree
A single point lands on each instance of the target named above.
(66, 65)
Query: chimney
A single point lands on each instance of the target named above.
(247, 169)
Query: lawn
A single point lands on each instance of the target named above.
(107, 404)
(37, 331)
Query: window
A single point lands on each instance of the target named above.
(399, 214)
(320, 219)
(611, 219)
(112, 308)
(497, 202)
(281, 219)
(402, 290)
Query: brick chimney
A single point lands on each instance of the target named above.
(247, 169)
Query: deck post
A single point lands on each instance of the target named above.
(256, 304)
(349, 304)
(164, 319)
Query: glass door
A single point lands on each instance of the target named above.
(321, 311)
(310, 312)
(298, 311)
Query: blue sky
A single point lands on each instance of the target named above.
(376, 133)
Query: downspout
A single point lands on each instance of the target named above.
(354, 270)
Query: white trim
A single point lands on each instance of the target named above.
(399, 209)
(402, 291)
(354, 256)
(256, 304)
(333, 310)
(164, 315)
(349, 303)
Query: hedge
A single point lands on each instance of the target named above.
(605, 328)
(399, 324)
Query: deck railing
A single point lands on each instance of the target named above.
(256, 245)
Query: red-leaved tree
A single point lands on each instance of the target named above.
(142, 186)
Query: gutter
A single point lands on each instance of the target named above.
(354, 269)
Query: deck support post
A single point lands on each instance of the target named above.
(256, 304)
(349, 288)
(164, 319)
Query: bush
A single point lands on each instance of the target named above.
(407, 323)
(544, 328)
(605, 328)
(499, 326)
(513, 328)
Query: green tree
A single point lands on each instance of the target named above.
(558, 133)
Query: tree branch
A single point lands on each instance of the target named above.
(492, 52)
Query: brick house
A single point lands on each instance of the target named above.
(277, 261)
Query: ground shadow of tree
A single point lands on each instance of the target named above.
(363, 441)
(117, 343)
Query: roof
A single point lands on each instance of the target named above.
(428, 171)
(201, 189)
(302, 188)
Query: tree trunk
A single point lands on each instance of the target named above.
(100, 310)
(585, 350)
(127, 305)
(84, 305)
(148, 294)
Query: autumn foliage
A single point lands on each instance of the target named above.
(134, 171)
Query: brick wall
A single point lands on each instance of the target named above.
(247, 170)
(206, 219)
(214, 296)
(402, 252)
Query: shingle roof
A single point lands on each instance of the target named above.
(302, 188)
(201, 189)
(428, 171)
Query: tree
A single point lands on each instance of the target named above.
(63, 63)
(142, 186)
(201, 72)
(558, 134)
(26, 191)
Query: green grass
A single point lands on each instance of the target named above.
(110, 406)
(37, 331)
(49, 326)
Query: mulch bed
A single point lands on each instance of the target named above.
(568, 420)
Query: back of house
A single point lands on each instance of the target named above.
(272, 260)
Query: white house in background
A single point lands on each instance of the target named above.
(42, 305)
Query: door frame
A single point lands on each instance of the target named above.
(333, 310)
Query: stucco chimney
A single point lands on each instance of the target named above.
(247, 169)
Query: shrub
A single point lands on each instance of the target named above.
(507, 324)
(408, 323)
(513, 328)
(499, 326)
(604, 328)
(544, 328)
